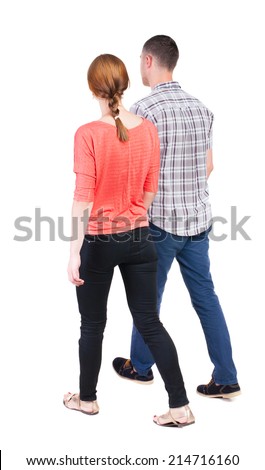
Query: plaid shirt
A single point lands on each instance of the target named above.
(184, 125)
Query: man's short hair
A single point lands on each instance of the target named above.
(164, 49)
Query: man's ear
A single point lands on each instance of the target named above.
(148, 60)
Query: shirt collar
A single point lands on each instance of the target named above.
(168, 85)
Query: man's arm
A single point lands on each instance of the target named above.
(209, 162)
(140, 110)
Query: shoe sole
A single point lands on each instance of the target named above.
(174, 425)
(219, 395)
(149, 382)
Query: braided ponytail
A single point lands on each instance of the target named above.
(108, 78)
(122, 132)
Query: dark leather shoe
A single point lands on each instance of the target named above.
(124, 369)
(212, 390)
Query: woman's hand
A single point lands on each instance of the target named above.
(73, 270)
(80, 214)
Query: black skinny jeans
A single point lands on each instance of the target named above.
(135, 255)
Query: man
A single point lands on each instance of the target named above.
(180, 216)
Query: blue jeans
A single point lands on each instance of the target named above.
(192, 256)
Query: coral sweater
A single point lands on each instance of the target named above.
(114, 174)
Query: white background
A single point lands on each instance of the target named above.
(47, 47)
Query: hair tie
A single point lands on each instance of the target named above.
(116, 117)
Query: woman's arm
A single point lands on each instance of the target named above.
(80, 213)
(148, 198)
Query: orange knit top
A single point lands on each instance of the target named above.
(114, 174)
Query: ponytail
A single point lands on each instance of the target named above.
(122, 132)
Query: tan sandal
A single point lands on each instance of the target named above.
(167, 420)
(72, 402)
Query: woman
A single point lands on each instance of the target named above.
(117, 165)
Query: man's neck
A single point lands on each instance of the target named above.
(160, 78)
